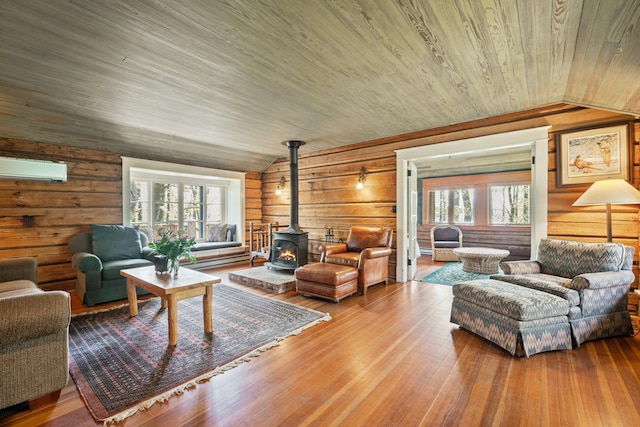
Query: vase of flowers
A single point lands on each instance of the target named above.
(161, 262)
(172, 247)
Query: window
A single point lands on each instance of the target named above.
(173, 197)
(177, 206)
(215, 204)
(438, 206)
(509, 204)
(453, 206)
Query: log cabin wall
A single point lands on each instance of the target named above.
(38, 218)
(327, 180)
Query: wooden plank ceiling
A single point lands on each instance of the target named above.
(222, 83)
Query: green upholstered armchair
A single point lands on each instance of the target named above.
(34, 334)
(99, 255)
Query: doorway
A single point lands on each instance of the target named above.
(537, 141)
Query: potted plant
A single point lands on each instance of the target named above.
(172, 247)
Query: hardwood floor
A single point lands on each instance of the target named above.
(393, 359)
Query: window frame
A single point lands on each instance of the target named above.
(451, 191)
(489, 203)
(233, 184)
(481, 183)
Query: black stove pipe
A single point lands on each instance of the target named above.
(293, 145)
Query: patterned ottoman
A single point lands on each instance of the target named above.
(523, 321)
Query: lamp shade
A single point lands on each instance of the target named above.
(609, 191)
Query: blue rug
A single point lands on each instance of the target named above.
(452, 273)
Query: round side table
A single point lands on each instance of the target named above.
(480, 260)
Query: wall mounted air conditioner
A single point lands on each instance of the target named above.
(32, 170)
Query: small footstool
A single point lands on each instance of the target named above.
(523, 321)
(324, 280)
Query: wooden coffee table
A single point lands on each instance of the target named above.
(188, 284)
(480, 260)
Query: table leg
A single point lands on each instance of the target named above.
(172, 317)
(207, 300)
(132, 297)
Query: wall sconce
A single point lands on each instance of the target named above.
(362, 179)
(280, 186)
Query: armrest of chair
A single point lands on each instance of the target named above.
(604, 279)
(148, 253)
(520, 267)
(25, 268)
(326, 250)
(369, 253)
(85, 262)
(34, 315)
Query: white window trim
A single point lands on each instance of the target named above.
(195, 174)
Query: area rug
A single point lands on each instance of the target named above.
(452, 273)
(274, 281)
(122, 364)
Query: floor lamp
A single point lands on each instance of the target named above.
(609, 192)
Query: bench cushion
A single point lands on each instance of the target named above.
(510, 300)
(204, 246)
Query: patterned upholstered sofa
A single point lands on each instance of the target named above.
(594, 278)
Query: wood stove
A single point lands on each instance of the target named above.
(290, 248)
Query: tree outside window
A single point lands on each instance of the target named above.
(215, 204)
(165, 206)
(509, 204)
(451, 206)
(438, 206)
(463, 206)
(139, 202)
(177, 207)
(193, 210)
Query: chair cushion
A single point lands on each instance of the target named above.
(112, 242)
(446, 233)
(18, 287)
(447, 244)
(111, 269)
(567, 258)
(361, 238)
(344, 258)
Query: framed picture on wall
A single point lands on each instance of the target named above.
(590, 155)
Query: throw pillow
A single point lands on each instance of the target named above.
(231, 232)
(217, 233)
(111, 242)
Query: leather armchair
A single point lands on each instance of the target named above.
(34, 335)
(99, 255)
(367, 249)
